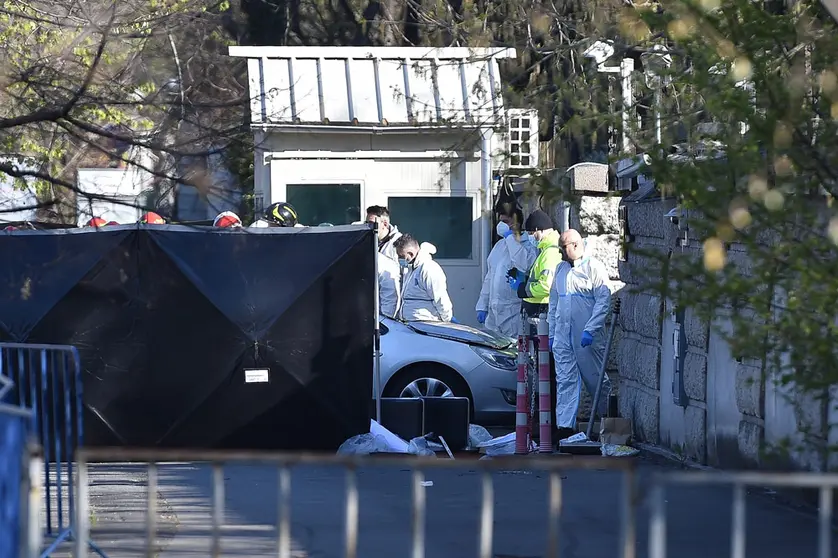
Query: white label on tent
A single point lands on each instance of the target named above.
(256, 376)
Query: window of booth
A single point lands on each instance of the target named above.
(338, 204)
(445, 222)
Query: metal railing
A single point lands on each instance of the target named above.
(825, 483)
(47, 385)
(154, 459)
(15, 426)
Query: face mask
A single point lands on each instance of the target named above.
(403, 262)
(502, 228)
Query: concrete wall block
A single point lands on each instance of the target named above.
(695, 375)
(640, 313)
(696, 330)
(647, 219)
(749, 392)
(740, 260)
(642, 408)
(589, 177)
(810, 412)
(640, 362)
(695, 443)
(750, 441)
(605, 248)
(614, 353)
(644, 262)
(599, 215)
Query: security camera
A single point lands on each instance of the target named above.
(627, 168)
(600, 51)
(674, 215)
(656, 60)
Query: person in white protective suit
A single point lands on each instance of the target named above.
(424, 286)
(388, 233)
(579, 301)
(498, 307)
(389, 285)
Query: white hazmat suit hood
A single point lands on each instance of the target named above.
(387, 247)
(496, 298)
(579, 301)
(425, 289)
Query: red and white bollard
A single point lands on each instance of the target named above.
(545, 442)
(522, 429)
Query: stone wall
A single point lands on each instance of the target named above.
(734, 412)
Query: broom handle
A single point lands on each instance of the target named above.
(615, 312)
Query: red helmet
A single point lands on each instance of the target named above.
(151, 218)
(227, 219)
(112, 223)
(96, 222)
(10, 228)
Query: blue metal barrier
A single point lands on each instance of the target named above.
(15, 425)
(47, 380)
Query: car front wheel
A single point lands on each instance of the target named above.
(427, 380)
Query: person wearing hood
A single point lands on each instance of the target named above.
(424, 285)
(388, 233)
(499, 308)
(389, 283)
(534, 287)
(579, 301)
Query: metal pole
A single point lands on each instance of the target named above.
(615, 314)
(545, 442)
(151, 510)
(377, 332)
(626, 69)
(82, 535)
(521, 418)
(486, 183)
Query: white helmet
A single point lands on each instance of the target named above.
(259, 224)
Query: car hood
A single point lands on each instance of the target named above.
(463, 334)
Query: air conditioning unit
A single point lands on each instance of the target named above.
(522, 139)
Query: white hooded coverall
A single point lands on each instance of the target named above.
(425, 289)
(389, 285)
(496, 298)
(579, 301)
(387, 246)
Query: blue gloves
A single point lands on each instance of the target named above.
(587, 339)
(519, 279)
(481, 316)
(551, 343)
(454, 320)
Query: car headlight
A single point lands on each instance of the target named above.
(505, 360)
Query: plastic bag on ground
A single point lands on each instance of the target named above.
(477, 435)
(613, 450)
(577, 438)
(394, 443)
(364, 444)
(420, 446)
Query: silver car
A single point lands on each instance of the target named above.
(451, 360)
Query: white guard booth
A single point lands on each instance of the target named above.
(338, 129)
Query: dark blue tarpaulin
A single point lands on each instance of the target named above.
(168, 318)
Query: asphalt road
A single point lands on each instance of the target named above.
(698, 517)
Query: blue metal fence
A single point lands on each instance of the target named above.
(15, 424)
(47, 381)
